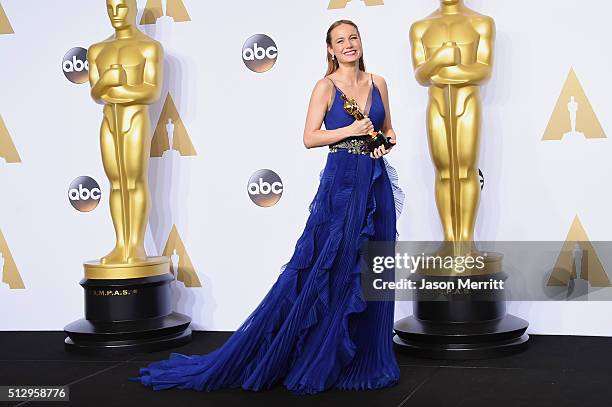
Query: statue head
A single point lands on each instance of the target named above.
(122, 13)
(450, 2)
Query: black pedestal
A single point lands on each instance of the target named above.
(129, 315)
(460, 327)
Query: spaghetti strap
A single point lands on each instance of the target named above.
(373, 84)
(333, 83)
(368, 104)
(333, 97)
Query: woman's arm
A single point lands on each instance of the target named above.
(319, 103)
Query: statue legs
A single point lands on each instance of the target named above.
(125, 160)
(454, 147)
(438, 147)
(468, 132)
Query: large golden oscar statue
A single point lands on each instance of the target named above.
(128, 303)
(452, 53)
(125, 72)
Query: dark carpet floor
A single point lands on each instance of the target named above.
(554, 371)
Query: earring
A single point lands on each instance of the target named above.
(333, 57)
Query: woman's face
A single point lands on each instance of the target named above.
(345, 44)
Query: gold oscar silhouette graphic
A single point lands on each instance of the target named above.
(336, 4)
(170, 132)
(578, 249)
(8, 268)
(452, 54)
(573, 116)
(154, 9)
(125, 73)
(184, 267)
(8, 152)
(5, 24)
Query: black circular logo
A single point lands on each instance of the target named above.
(84, 194)
(265, 188)
(75, 65)
(259, 53)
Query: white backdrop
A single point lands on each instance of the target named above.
(533, 191)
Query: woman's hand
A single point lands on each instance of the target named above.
(361, 127)
(380, 151)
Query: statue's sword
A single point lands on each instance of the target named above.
(119, 151)
(451, 93)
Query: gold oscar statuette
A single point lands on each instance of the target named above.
(452, 54)
(125, 73)
(375, 138)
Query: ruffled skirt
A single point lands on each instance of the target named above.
(313, 331)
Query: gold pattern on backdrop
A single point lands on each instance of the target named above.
(452, 53)
(335, 4)
(5, 24)
(573, 115)
(175, 250)
(8, 152)
(170, 132)
(578, 247)
(8, 268)
(154, 9)
(125, 73)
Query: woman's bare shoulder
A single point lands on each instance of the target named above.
(324, 84)
(379, 80)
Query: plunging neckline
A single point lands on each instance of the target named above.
(368, 103)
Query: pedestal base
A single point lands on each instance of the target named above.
(126, 314)
(461, 341)
(149, 335)
(462, 324)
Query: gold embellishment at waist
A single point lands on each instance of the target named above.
(354, 145)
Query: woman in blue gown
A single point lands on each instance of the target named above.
(313, 330)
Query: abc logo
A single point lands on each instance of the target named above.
(75, 65)
(84, 194)
(265, 188)
(259, 53)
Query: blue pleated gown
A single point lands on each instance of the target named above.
(313, 330)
